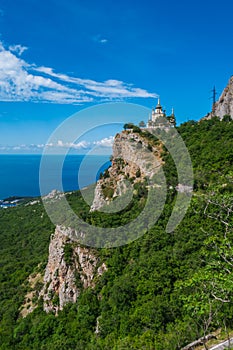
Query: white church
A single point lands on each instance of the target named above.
(159, 119)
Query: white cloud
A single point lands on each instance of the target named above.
(112, 89)
(22, 148)
(99, 39)
(105, 142)
(83, 146)
(69, 145)
(22, 81)
(18, 49)
(103, 41)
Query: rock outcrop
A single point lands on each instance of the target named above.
(70, 268)
(134, 158)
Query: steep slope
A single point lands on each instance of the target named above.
(70, 268)
(134, 157)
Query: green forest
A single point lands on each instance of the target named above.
(160, 292)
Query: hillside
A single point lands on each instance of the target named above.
(161, 291)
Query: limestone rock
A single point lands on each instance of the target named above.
(70, 268)
(99, 199)
(134, 159)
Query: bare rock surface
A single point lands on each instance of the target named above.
(133, 158)
(70, 267)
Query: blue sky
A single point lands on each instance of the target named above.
(58, 57)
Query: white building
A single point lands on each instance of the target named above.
(159, 119)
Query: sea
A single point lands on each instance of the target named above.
(20, 174)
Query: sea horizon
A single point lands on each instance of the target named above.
(19, 173)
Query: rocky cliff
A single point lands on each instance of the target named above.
(135, 157)
(70, 268)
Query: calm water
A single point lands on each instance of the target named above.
(19, 174)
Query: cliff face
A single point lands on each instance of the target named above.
(224, 106)
(134, 157)
(70, 268)
(135, 151)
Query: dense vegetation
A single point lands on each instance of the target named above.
(159, 292)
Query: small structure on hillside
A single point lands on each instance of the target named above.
(159, 119)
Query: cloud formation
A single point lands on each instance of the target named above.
(18, 49)
(22, 81)
(103, 41)
(106, 142)
(99, 39)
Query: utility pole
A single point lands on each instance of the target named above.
(214, 99)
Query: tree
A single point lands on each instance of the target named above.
(226, 118)
(128, 126)
(142, 124)
(207, 291)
